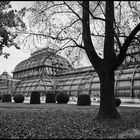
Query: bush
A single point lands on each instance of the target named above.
(6, 98)
(117, 101)
(35, 97)
(0, 97)
(62, 98)
(50, 97)
(84, 99)
(18, 98)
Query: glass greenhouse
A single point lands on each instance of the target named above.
(38, 73)
(45, 71)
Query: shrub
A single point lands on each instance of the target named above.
(62, 98)
(84, 99)
(6, 98)
(18, 98)
(35, 97)
(50, 97)
(117, 101)
(0, 97)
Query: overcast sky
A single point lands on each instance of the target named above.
(16, 56)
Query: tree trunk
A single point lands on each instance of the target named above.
(107, 108)
(103, 66)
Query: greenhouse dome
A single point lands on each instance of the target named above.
(37, 72)
(45, 57)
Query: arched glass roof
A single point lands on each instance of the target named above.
(43, 57)
(86, 81)
(36, 73)
(27, 86)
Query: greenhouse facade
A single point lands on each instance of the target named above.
(45, 71)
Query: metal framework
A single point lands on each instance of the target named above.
(38, 72)
(46, 71)
(127, 81)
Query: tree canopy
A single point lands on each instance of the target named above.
(10, 20)
(60, 23)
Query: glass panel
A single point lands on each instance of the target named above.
(137, 74)
(95, 85)
(40, 88)
(87, 85)
(59, 87)
(32, 88)
(129, 71)
(123, 83)
(76, 81)
(73, 93)
(26, 88)
(95, 79)
(136, 82)
(123, 93)
(137, 93)
(83, 92)
(74, 87)
(66, 87)
(126, 76)
(68, 82)
(20, 89)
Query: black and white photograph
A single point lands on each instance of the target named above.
(69, 69)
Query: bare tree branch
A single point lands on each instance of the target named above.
(72, 10)
(122, 54)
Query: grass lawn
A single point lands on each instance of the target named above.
(61, 121)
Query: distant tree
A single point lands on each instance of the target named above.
(10, 20)
(108, 26)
